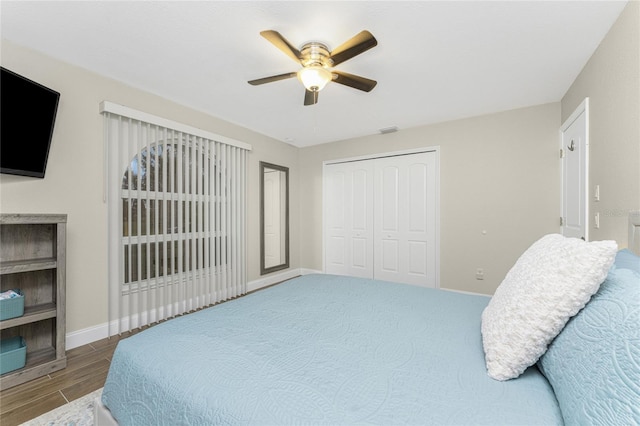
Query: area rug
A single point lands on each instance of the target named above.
(75, 413)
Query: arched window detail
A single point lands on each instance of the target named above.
(155, 171)
(176, 221)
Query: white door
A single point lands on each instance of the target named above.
(575, 173)
(405, 219)
(348, 209)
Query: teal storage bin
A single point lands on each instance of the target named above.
(11, 308)
(13, 354)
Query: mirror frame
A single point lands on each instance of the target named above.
(285, 264)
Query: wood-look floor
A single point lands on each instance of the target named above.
(86, 372)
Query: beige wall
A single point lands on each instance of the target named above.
(611, 80)
(73, 182)
(499, 173)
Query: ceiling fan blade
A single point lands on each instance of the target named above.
(361, 42)
(272, 78)
(281, 43)
(310, 98)
(355, 81)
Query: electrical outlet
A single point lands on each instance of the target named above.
(479, 274)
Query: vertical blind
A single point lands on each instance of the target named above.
(176, 200)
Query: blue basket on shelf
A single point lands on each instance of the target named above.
(13, 354)
(13, 307)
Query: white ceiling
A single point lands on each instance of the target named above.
(435, 61)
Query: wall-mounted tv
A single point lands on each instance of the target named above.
(27, 116)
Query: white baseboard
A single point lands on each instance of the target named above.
(278, 277)
(87, 335)
(465, 292)
(305, 271)
(98, 332)
(272, 279)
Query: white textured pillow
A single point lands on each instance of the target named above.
(548, 285)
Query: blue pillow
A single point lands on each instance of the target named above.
(593, 365)
(625, 258)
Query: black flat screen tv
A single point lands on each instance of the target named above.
(27, 116)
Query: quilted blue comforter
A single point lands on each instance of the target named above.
(323, 349)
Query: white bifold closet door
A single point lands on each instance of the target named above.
(380, 218)
(349, 219)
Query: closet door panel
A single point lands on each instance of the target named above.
(389, 258)
(360, 199)
(335, 223)
(417, 266)
(431, 207)
(359, 252)
(388, 197)
(420, 231)
(417, 224)
(349, 224)
(336, 256)
(405, 204)
(417, 197)
(360, 202)
(386, 219)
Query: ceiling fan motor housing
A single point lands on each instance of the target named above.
(315, 54)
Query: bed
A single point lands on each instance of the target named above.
(325, 349)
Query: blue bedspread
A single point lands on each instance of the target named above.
(323, 349)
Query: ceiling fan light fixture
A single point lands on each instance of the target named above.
(318, 63)
(314, 77)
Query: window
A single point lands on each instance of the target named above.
(168, 216)
(176, 219)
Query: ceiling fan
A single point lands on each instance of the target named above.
(317, 63)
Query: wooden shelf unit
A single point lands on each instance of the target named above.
(33, 259)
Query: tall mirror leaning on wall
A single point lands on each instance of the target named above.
(274, 218)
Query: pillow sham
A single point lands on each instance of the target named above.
(594, 364)
(628, 260)
(549, 283)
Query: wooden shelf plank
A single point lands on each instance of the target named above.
(39, 363)
(31, 314)
(27, 265)
(28, 219)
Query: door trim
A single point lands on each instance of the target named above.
(582, 108)
(435, 149)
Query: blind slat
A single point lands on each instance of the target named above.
(165, 192)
